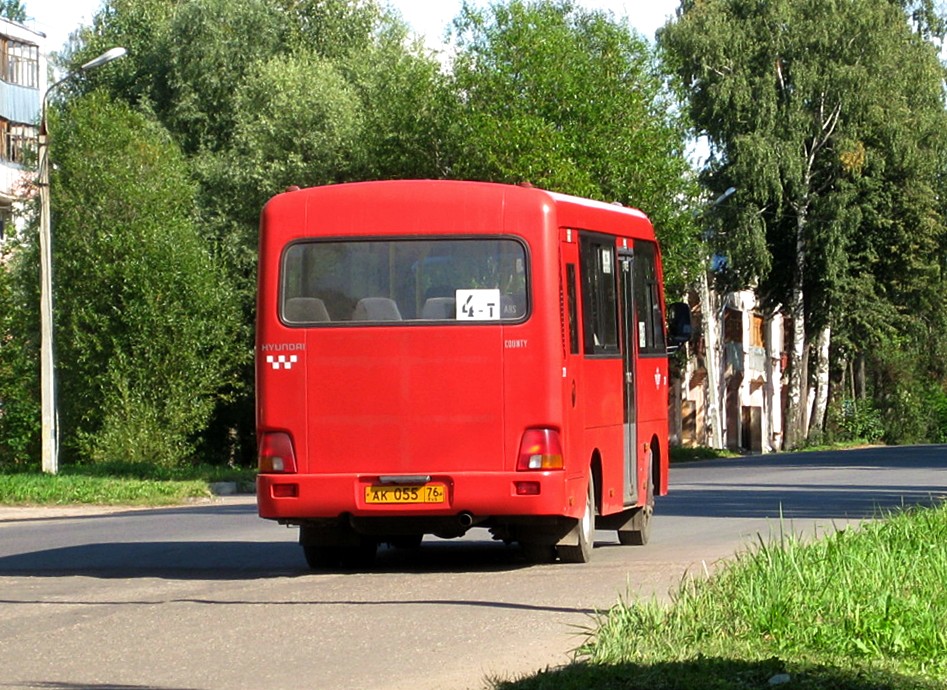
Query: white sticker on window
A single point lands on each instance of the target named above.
(642, 335)
(478, 305)
(606, 260)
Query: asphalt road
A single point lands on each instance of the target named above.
(210, 596)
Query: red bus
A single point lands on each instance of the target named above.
(433, 356)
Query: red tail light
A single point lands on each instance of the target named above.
(540, 449)
(276, 453)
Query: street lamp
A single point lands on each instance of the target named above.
(50, 415)
(723, 197)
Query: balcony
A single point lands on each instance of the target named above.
(756, 360)
(733, 359)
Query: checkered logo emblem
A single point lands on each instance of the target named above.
(281, 361)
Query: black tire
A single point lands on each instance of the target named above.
(324, 552)
(582, 552)
(360, 556)
(637, 531)
(538, 553)
(320, 557)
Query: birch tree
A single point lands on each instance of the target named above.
(792, 95)
(572, 100)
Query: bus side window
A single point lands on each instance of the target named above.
(600, 314)
(571, 295)
(650, 322)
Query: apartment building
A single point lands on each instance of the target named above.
(734, 378)
(23, 81)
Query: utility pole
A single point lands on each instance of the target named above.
(47, 370)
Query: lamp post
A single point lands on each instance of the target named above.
(50, 415)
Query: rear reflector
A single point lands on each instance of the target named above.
(285, 490)
(527, 488)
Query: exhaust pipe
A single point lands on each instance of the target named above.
(450, 528)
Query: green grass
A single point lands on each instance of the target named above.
(116, 484)
(689, 454)
(864, 609)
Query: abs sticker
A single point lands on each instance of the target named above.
(478, 305)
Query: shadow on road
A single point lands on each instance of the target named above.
(932, 457)
(713, 672)
(800, 486)
(81, 513)
(809, 502)
(792, 486)
(246, 560)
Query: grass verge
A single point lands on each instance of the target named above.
(689, 454)
(862, 609)
(117, 484)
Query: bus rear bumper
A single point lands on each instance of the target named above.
(300, 497)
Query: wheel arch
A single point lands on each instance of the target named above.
(658, 466)
(595, 464)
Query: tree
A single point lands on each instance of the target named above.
(798, 101)
(264, 94)
(331, 29)
(14, 10)
(571, 100)
(145, 319)
(19, 349)
(303, 119)
(407, 105)
(186, 58)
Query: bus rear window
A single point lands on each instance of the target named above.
(326, 282)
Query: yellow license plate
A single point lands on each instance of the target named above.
(426, 493)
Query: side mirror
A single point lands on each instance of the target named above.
(680, 330)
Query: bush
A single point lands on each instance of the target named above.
(147, 324)
(856, 420)
(936, 405)
(19, 387)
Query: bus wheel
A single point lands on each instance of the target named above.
(322, 557)
(582, 551)
(637, 531)
(361, 555)
(334, 548)
(538, 553)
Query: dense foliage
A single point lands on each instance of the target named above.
(146, 320)
(19, 371)
(837, 149)
(13, 10)
(572, 100)
(239, 100)
(164, 159)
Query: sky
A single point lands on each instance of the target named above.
(58, 18)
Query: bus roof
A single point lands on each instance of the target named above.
(460, 199)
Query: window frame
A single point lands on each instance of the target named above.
(17, 140)
(19, 62)
(600, 325)
(408, 322)
(649, 311)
